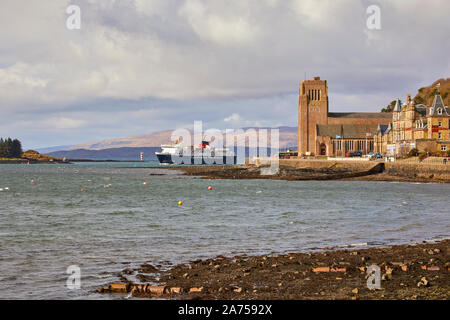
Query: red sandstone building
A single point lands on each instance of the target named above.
(332, 133)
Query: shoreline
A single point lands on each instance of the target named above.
(376, 172)
(418, 271)
(31, 162)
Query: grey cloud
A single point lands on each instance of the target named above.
(185, 59)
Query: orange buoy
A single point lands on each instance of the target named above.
(180, 203)
(209, 188)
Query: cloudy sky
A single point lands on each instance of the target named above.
(137, 66)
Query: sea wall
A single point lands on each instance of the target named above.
(418, 170)
(432, 172)
(327, 164)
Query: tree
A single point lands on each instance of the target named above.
(3, 148)
(390, 107)
(419, 100)
(16, 148)
(10, 148)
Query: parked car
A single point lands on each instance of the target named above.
(377, 156)
(356, 154)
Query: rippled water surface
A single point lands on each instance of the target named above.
(118, 221)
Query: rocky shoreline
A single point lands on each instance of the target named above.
(418, 271)
(374, 172)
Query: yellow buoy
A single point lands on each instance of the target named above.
(180, 203)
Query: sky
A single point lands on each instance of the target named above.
(138, 66)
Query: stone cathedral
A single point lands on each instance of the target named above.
(333, 133)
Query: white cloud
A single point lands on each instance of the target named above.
(234, 117)
(212, 26)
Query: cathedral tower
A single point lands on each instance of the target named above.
(312, 110)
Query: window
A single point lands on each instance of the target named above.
(439, 111)
(440, 124)
(440, 135)
(443, 148)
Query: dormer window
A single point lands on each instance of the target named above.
(439, 111)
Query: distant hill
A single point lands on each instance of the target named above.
(132, 154)
(52, 149)
(123, 154)
(288, 139)
(426, 95)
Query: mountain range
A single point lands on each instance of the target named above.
(129, 148)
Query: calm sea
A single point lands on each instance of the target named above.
(117, 221)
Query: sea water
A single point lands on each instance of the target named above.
(104, 217)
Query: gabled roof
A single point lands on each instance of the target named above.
(383, 129)
(438, 104)
(388, 129)
(398, 106)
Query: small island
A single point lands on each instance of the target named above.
(11, 153)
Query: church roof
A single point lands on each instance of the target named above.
(359, 115)
(348, 131)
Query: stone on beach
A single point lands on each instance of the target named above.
(307, 275)
(118, 287)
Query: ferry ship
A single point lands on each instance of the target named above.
(202, 154)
